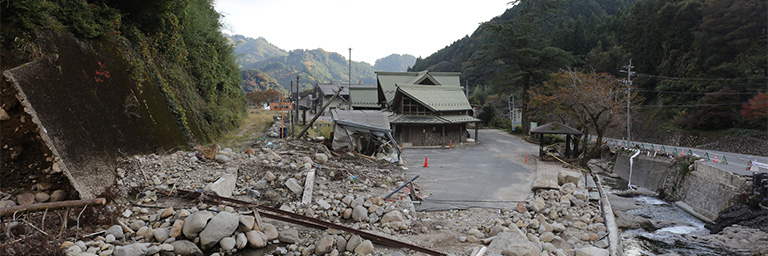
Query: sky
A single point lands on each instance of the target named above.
(373, 29)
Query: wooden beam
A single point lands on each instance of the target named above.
(53, 205)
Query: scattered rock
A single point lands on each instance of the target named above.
(364, 248)
(241, 241)
(139, 249)
(270, 230)
(393, 216)
(227, 243)
(324, 245)
(186, 248)
(176, 228)
(225, 185)
(116, 231)
(162, 234)
(321, 158)
(246, 223)
(256, 239)
(360, 213)
(269, 176)
(222, 159)
(167, 213)
(294, 186)
(42, 197)
(25, 198)
(4, 115)
(592, 251)
(353, 242)
(220, 226)
(290, 236)
(196, 223)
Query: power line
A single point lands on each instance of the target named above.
(687, 106)
(697, 93)
(699, 78)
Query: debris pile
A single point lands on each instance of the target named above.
(295, 176)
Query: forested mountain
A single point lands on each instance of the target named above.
(250, 50)
(697, 62)
(395, 63)
(313, 66)
(255, 80)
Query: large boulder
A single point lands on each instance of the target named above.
(513, 243)
(256, 239)
(195, 223)
(324, 245)
(591, 251)
(220, 226)
(186, 248)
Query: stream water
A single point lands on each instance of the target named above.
(675, 239)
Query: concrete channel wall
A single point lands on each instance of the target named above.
(707, 189)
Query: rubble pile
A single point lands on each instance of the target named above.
(345, 189)
(556, 222)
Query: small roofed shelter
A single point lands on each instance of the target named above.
(365, 131)
(556, 128)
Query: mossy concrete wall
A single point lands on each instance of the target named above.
(90, 110)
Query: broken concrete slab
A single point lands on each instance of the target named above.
(225, 185)
(308, 185)
(293, 185)
(88, 119)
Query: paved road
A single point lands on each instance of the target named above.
(490, 174)
(733, 162)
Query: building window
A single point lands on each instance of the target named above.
(411, 107)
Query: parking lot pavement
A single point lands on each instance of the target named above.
(490, 174)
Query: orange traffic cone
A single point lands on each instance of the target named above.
(450, 145)
(426, 163)
(715, 159)
(526, 157)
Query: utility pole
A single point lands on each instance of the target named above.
(629, 86)
(291, 111)
(296, 106)
(511, 104)
(349, 80)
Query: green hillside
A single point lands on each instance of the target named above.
(395, 63)
(174, 46)
(255, 80)
(697, 62)
(250, 50)
(313, 66)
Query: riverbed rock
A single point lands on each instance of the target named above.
(393, 216)
(25, 198)
(186, 248)
(513, 243)
(42, 197)
(220, 226)
(195, 223)
(592, 251)
(270, 230)
(324, 245)
(227, 243)
(162, 234)
(321, 158)
(115, 230)
(58, 195)
(256, 239)
(364, 248)
(138, 249)
(360, 213)
(353, 242)
(290, 236)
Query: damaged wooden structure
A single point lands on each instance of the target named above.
(365, 131)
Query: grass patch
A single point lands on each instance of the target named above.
(256, 123)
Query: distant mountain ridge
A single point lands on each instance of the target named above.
(266, 66)
(249, 50)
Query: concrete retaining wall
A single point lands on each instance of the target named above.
(707, 189)
(647, 172)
